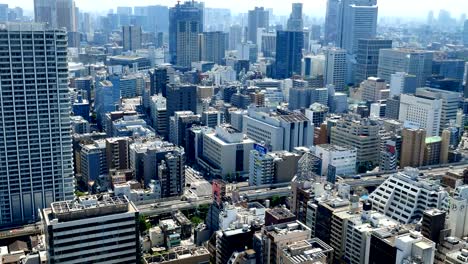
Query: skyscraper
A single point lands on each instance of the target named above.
(295, 22)
(131, 36)
(414, 62)
(335, 68)
(66, 14)
(332, 21)
(367, 57)
(45, 11)
(213, 46)
(358, 21)
(258, 18)
(185, 23)
(3, 13)
(289, 45)
(465, 33)
(36, 166)
(235, 36)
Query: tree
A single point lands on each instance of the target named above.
(143, 224)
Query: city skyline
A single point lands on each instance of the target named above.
(316, 8)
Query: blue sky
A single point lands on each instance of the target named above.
(407, 8)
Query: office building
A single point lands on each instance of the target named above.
(465, 33)
(335, 68)
(458, 212)
(358, 21)
(257, 18)
(392, 109)
(271, 167)
(421, 112)
(360, 133)
(412, 147)
(107, 99)
(313, 66)
(235, 36)
(80, 125)
(213, 46)
(413, 62)
(117, 151)
(226, 151)
(307, 251)
(181, 98)
(317, 113)
(66, 15)
(374, 89)
(131, 38)
(45, 11)
(342, 160)
(405, 195)
(179, 124)
(278, 130)
(93, 161)
(92, 229)
(150, 154)
(450, 104)
(295, 22)
(389, 156)
(332, 20)
(212, 118)
(229, 241)
(367, 57)
(433, 222)
(272, 239)
(45, 151)
(402, 83)
(289, 45)
(185, 24)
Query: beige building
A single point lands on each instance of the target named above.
(413, 147)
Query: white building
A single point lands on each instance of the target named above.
(313, 66)
(422, 111)
(158, 113)
(341, 157)
(92, 230)
(36, 161)
(414, 247)
(226, 151)
(374, 89)
(278, 130)
(335, 68)
(404, 196)
(401, 82)
(458, 212)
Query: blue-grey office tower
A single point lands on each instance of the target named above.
(185, 23)
(289, 45)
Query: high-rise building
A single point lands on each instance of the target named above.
(433, 222)
(107, 99)
(332, 21)
(465, 33)
(181, 98)
(117, 149)
(360, 133)
(179, 125)
(402, 83)
(66, 15)
(257, 18)
(392, 108)
(213, 46)
(341, 159)
(235, 36)
(358, 21)
(131, 37)
(295, 22)
(335, 68)
(185, 23)
(289, 45)
(374, 89)
(413, 62)
(271, 167)
(158, 110)
(450, 104)
(93, 161)
(103, 228)
(421, 112)
(36, 161)
(45, 11)
(367, 57)
(412, 147)
(278, 130)
(4, 13)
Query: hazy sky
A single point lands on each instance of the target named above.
(407, 8)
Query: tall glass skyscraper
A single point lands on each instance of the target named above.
(36, 165)
(185, 23)
(289, 45)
